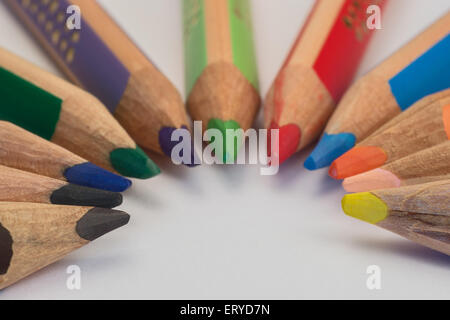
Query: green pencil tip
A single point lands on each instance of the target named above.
(133, 163)
(230, 146)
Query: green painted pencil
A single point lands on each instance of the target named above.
(221, 76)
(68, 116)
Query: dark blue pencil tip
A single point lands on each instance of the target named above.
(167, 145)
(90, 175)
(330, 147)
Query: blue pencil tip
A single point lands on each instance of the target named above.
(330, 147)
(90, 175)
(310, 163)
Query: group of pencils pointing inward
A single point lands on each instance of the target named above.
(64, 151)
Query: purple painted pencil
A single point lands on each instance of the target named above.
(101, 58)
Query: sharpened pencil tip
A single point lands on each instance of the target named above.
(311, 164)
(329, 148)
(89, 175)
(167, 145)
(6, 249)
(365, 206)
(99, 221)
(133, 163)
(230, 146)
(72, 194)
(289, 136)
(371, 180)
(357, 160)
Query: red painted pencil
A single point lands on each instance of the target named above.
(318, 69)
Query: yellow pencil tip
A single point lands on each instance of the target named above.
(365, 206)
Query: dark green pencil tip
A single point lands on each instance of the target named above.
(99, 221)
(230, 146)
(133, 163)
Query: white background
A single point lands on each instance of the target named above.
(227, 232)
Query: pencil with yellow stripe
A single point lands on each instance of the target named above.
(420, 213)
(221, 75)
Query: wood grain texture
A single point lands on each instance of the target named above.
(85, 126)
(352, 112)
(416, 107)
(22, 186)
(223, 92)
(307, 102)
(41, 234)
(150, 100)
(426, 165)
(430, 230)
(420, 213)
(149, 103)
(34, 235)
(23, 150)
(421, 130)
(369, 103)
(218, 36)
(428, 198)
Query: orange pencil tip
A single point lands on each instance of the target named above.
(357, 160)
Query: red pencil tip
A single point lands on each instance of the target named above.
(357, 160)
(288, 140)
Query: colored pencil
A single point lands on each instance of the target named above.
(420, 213)
(422, 129)
(21, 186)
(221, 76)
(34, 235)
(427, 165)
(102, 59)
(68, 116)
(418, 69)
(26, 151)
(316, 72)
(417, 106)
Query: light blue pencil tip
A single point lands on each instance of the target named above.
(330, 147)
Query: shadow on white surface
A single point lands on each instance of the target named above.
(403, 248)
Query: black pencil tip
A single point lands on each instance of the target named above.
(6, 249)
(72, 194)
(99, 221)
